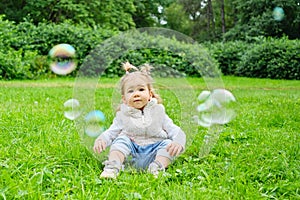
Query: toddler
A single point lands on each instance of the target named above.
(141, 128)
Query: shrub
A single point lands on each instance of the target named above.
(18, 64)
(228, 54)
(274, 58)
(24, 47)
(169, 56)
(43, 37)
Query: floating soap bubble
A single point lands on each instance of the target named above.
(62, 59)
(72, 109)
(216, 109)
(278, 13)
(94, 123)
(179, 96)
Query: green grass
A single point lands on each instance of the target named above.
(256, 157)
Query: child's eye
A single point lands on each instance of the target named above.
(130, 91)
(142, 89)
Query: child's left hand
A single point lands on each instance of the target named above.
(174, 148)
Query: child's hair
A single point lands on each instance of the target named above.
(143, 73)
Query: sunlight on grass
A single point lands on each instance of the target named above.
(256, 157)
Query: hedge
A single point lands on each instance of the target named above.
(19, 41)
(169, 56)
(275, 59)
(24, 53)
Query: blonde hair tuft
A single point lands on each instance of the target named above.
(127, 67)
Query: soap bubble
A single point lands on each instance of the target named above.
(217, 107)
(94, 123)
(72, 109)
(62, 59)
(278, 13)
(178, 94)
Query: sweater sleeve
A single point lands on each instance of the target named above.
(174, 132)
(112, 132)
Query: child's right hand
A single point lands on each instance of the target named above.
(99, 146)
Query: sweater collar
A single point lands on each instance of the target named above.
(137, 112)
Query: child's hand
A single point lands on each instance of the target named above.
(174, 148)
(99, 146)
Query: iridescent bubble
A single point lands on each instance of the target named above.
(169, 82)
(217, 107)
(94, 123)
(62, 59)
(72, 109)
(278, 13)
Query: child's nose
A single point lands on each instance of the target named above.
(136, 93)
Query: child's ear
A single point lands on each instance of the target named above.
(151, 95)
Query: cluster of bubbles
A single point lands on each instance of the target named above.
(93, 121)
(215, 107)
(62, 59)
(62, 63)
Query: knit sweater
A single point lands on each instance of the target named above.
(145, 126)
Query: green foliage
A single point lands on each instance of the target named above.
(255, 18)
(150, 12)
(22, 64)
(19, 41)
(177, 19)
(166, 63)
(264, 58)
(115, 15)
(44, 36)
(169, 56)
(228, 54)
(199, 19)
(25, 46)
(276, 59)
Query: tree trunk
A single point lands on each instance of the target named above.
(210, 18)
(223, 16)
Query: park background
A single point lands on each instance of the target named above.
(257, 155)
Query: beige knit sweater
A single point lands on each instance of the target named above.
(145, 126)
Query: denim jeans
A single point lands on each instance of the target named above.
(142, 156)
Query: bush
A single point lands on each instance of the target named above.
(274, 58)
(19, 64)
(170, 57)
(43, 37)
(25, 47)
(228, 54)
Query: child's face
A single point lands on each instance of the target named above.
(136, 93)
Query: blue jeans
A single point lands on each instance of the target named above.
(142, 156)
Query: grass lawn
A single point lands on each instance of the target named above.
(256, 157)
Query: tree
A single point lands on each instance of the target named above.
(260, 21)
(115, 14)
(177, 19)
(150, 12)
(13, 10)
(210, 18)
(223, 16)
